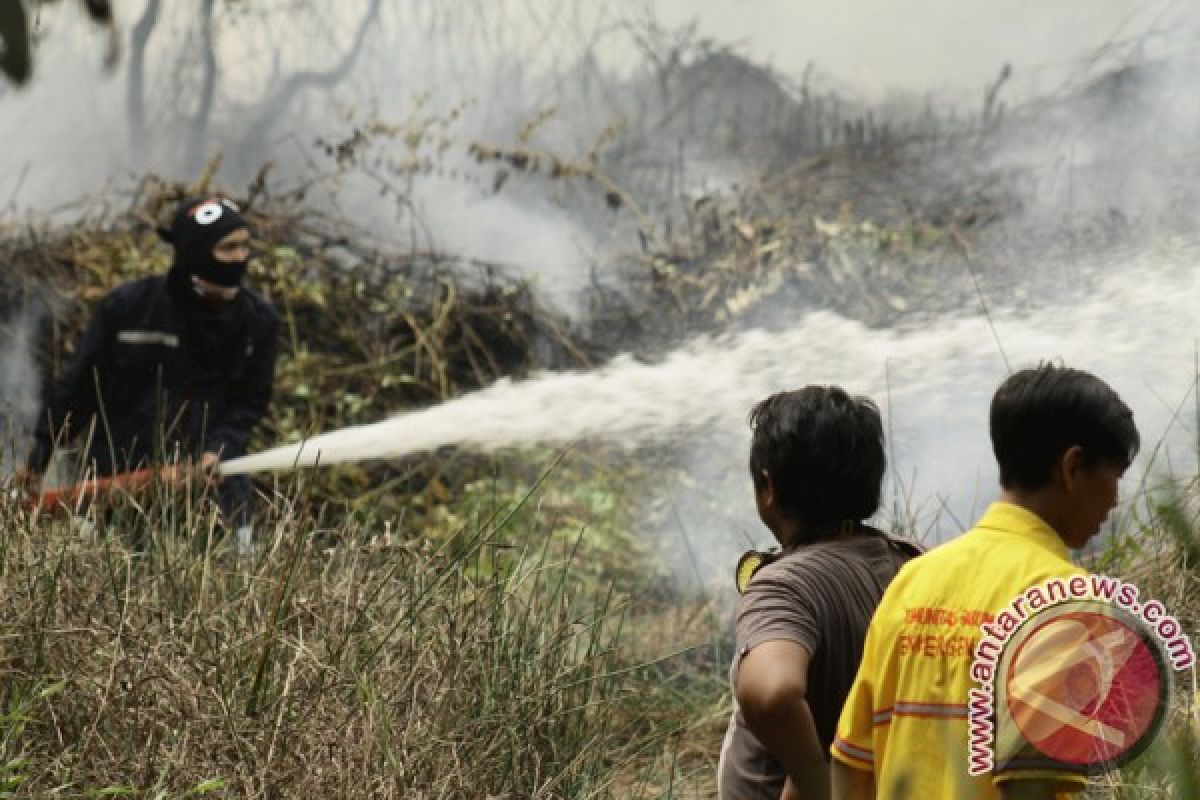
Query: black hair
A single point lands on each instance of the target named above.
(1039, 413)
(823, 450)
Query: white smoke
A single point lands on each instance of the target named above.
(18, 389)
(1136, 330)
(67, 135)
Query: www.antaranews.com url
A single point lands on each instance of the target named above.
(998, 632)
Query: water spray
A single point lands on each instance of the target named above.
(934, 383)
(937, 381)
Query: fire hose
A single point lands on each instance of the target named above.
(71, 495)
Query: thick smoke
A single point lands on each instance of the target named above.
(934, 383)
(1092, 133)
(18, 388)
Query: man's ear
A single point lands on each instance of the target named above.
(1070, 463)
(768, 489)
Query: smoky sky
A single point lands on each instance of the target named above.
(67, 134)
(928, 46)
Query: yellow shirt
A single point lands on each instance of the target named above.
(906, 716)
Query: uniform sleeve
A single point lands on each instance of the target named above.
(854, 744)
(1076, 780)
(248, 400)
(1017, 759)
(73, 400)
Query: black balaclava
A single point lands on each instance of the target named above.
(198, 225)
(212, 331)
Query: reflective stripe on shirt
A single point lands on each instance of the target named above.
(148, 337)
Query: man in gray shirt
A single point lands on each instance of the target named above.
(817, 463)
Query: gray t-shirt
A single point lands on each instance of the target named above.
(821, 596)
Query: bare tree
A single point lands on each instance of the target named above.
(276, 105)
(14, 31)
(208, 88)
(16, 34)
(176, 103)
(135, 95)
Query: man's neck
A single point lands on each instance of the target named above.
(1037, 502)
(792, 535)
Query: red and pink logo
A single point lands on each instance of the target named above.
(1086, 685)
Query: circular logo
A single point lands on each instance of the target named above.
(208, 212)
(1086, 685)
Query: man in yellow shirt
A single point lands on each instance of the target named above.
(1062, 439)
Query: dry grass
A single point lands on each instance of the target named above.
(1157, 550)
(152, 662)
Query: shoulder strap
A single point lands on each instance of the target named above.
(905, 547)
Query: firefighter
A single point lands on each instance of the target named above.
(172, 368)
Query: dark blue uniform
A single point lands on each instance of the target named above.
(159, 376)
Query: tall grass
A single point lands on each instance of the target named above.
(148, 659)
(495, 656)
(1158, 549)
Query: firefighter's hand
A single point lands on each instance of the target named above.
(207, 468)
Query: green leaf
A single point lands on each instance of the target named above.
(52, 689)
(113, 791)
(210, 785)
